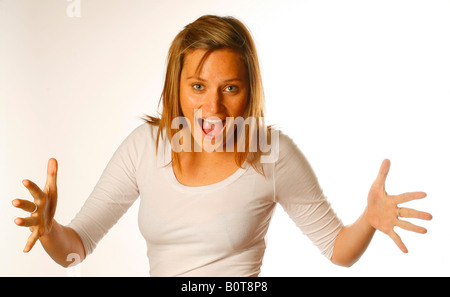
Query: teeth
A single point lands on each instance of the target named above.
(213, 121)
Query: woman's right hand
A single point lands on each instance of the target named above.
(42, 209)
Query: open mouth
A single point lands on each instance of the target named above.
(212, 127)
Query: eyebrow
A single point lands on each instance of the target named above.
(228, 80)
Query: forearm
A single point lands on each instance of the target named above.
(352, 241)
(62, 241)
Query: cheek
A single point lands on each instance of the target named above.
(240, 105)
(187, 103)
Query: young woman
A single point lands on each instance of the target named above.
(207, 192)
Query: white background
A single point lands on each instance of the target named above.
(352, 82)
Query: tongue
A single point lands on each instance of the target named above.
(212, 129)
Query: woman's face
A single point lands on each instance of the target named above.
(219, 90)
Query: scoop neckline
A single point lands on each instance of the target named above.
(170, 175)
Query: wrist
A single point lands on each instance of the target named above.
(366, 220)
(50, 230)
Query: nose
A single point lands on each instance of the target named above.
(214, 104)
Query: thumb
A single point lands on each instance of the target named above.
(383, 172)
(52, 171)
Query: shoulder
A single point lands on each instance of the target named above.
(292, 168)
(280, 150)
(280, 147)
(144, 132)
(139, 139)
(285, 141)
(286, 154)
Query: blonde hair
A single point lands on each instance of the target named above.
(210, 33)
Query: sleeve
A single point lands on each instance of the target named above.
(113, 194)
(299, 193)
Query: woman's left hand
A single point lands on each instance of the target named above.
(384, 214)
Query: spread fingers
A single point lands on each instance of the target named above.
(34, 190)
(412, 213)
(31, 241)
(411, 227)
(26, 222)
(24, 204)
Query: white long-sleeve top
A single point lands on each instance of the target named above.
(211, 230)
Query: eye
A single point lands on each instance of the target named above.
(197, 87)
(231, 88)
